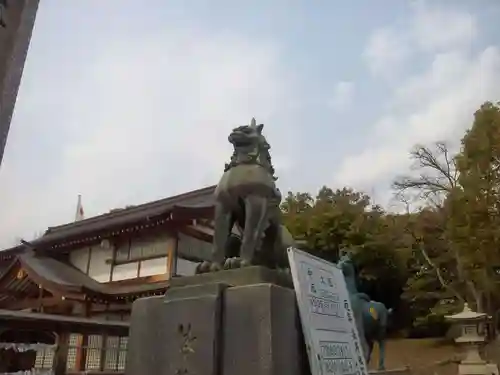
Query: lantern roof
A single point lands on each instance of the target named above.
(466, 314)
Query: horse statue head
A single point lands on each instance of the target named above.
(346, 264)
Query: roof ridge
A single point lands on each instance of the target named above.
(139, 207)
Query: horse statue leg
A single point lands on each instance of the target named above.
(369, 346)
(357, 308)
(382, 329)
(381, 354)
(376, 317)
(256, 221)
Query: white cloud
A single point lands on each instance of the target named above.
(438, 28)
(433, 105)
(343, 96)
(386, 52)
(141, 119)
(431, 29)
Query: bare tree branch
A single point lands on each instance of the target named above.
(437, 175)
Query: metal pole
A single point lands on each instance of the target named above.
(17, 18)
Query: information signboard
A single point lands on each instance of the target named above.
(332, 339)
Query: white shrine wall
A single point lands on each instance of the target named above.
(140, 257)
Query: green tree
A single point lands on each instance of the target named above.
(346, 219)
(432, 289)
(434, 179)
(476, 221)
(328, 223)
(461, 191)
(296, 208)
(434, 285)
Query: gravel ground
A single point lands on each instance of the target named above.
(427, 356)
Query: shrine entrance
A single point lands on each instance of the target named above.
(27, 337)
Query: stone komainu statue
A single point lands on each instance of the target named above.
(247, 197)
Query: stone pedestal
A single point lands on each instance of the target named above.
(261, 335)
(218, 328)
(178, 334)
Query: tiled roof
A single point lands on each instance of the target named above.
(63, 279)
(200, 200)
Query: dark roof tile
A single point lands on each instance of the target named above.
(193, 200)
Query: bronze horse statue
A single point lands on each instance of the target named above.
(371, 316)
(247, 198)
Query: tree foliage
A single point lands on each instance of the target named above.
(460, 191)
(346, 219)
(442, 251)
(475, 220)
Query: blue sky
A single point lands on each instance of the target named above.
(126, 104)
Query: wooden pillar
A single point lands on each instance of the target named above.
(83, 341)
(104, 344)
(104, 349)
(40, 299)
(172, 253)
(81, 353)
(61, 354)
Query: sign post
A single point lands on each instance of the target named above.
(330, 333)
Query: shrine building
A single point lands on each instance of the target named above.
(77, 276)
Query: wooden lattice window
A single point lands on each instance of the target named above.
(73, 347)
(94, 350)
(44, 358)
(116, 352)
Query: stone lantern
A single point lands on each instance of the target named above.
(472, 336)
